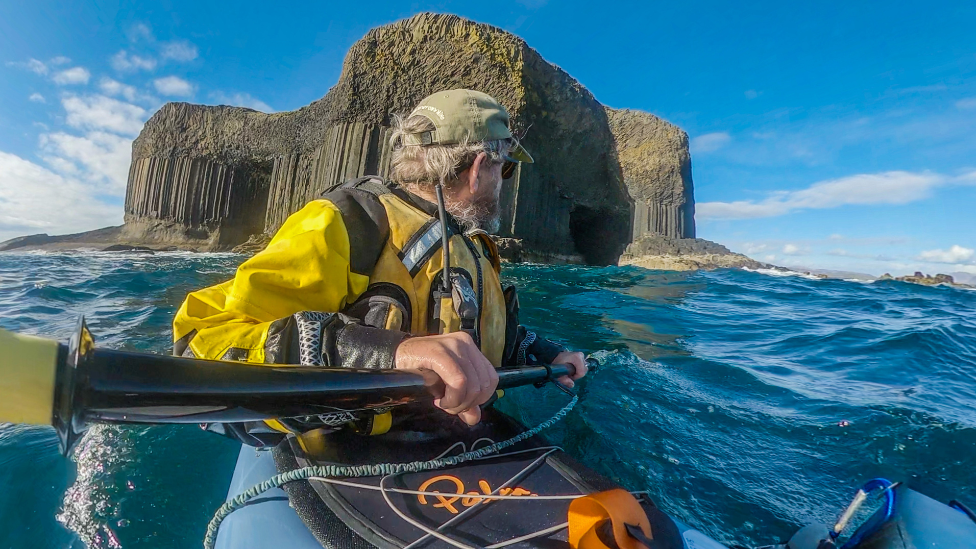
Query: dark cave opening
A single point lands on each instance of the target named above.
(599, 236)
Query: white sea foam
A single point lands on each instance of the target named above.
(778, 272)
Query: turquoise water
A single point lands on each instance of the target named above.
(747, 404)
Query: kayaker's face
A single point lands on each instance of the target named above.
(476, 204)
(489, 198)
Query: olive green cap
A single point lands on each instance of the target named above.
(465, 115)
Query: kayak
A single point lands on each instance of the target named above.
(429, 482)
(319, 513)
(424, 509)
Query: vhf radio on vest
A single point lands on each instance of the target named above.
(454, 286)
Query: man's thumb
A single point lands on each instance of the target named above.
(471, 416)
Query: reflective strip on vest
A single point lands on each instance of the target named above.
(419, 252)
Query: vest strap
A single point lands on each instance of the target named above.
(364, 218)
(422, 245)
(419, 248)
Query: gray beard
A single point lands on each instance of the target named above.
(482, 213)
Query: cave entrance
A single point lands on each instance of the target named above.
(597, 235)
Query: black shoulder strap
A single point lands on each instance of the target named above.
(364, 217)
(372, 184)
(368, 227)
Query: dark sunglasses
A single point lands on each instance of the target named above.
(508, 168)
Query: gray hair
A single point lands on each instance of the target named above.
(427, 165)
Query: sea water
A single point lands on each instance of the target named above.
(746, 404)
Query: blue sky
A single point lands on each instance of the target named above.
(831, 135)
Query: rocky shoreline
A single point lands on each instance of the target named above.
(684, 254)
(108, 239)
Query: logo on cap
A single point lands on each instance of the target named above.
(435, 110)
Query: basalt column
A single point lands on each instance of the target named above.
(656, 166)
(350, 150)
(180, 200)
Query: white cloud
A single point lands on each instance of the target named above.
(179, 50)
(791, 249)
(101, 158)
(76, 75)
(123, 61)
(36, 66)
(98, 112)
(966, 104)
(955, 254)
(37, 98)
(114, 87)
(896, 187)
(793, 139)
(915, 90)
(31, 64)
(754, 248)
(241, 100)
(85, 178)
(34, 199)
(140, 31)
(709, 142)
(751, 94)
(840, 252)
(173, 85)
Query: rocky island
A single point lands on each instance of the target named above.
(608, 184)
(927, 280)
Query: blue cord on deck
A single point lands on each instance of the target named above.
(350, 471)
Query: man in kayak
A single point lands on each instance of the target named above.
(354, 279)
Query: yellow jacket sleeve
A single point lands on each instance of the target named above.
(306, 267)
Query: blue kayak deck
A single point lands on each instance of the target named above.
(267, 522)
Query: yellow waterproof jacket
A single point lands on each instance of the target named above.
(367, 255)
(304, 268)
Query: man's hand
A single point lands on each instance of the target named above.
(455, 370)
(577, 360)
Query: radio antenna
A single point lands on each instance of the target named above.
(445, 237)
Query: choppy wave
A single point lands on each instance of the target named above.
(747, 403)
(783, 272)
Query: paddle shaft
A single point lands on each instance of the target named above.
(119, 386)
(94, 385)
